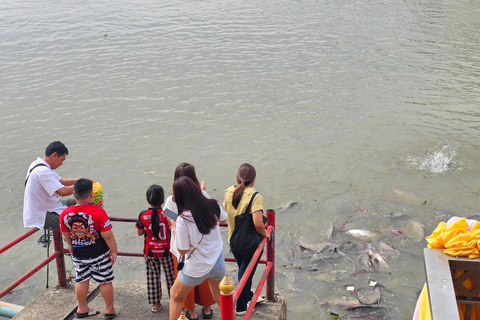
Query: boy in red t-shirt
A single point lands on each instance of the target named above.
(155, 227)
(88, 231)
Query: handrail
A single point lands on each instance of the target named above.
(19, 239)
(29, 274)
(268, 275)
(251, 265)
(58, 255)
(258, 290)
(122, 219)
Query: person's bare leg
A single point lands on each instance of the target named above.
(81, 290)
(178, 292)
(214, 286)
(193, 313)
(106, 289)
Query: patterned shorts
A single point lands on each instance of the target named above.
(99, 268)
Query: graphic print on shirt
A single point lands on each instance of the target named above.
(162, 232)
(82, 230)
(153, 246)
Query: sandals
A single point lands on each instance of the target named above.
(156, 310)
(188, 316)
(90, 313)
(207, 316)
(111, 315)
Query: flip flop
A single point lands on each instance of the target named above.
(189, 317)
(207, 316)
(111, 315)
(156, 310)
(90, 313)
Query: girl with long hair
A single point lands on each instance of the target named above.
(154, 226)
(201, 294)
(199, 240)
(236, 201)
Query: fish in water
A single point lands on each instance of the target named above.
(326, 247)
(330, 231)
(387, 247)
(415, 230)
(344, 226)
(409, 197)
(374, 259)
(362, 234)
(291, 253)
(349, 303)
(398, 233)
(360, 272)
(289, 205)
(369, 297)
(303, 246)
(372, 315)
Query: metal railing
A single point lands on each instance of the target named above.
(58, 255)
(268, 276)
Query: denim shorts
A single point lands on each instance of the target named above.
(217, 273)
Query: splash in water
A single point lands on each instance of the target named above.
(438, 160)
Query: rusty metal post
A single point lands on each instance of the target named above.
(227, 289)
(60, 259)
(270, 289)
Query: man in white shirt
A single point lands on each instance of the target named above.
(43, 186)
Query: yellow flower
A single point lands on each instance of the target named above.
(97, 187)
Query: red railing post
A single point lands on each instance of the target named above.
(270, 289)
(60, 259)
(227, 289)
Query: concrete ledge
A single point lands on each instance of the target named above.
(130, 301)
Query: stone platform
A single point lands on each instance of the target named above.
(130, 300)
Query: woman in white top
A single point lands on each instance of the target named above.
(201, 294)
(198, 238)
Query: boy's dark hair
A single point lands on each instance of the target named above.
(82, 188)
(56, 146)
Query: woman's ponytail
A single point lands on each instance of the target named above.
(237, 195)
(245, 177)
